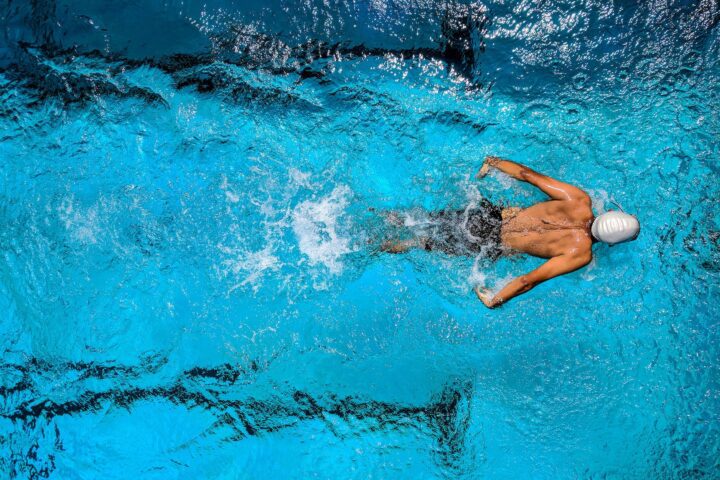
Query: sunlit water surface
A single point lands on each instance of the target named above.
(189, 282)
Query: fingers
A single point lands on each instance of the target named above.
(483, 171)
(478, 294)
(484, 295)
(490, 161)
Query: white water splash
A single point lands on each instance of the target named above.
(415, 219)
(252, 266)
(230, 194)
(315, 224)
(477, 276)
(81, 224)
(600, 198)
(483, 275)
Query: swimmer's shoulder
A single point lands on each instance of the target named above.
(579, 209)
(581, 248)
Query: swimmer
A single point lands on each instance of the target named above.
(562, 230)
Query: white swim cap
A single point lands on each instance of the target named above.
(615, 227)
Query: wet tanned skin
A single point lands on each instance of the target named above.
(558, 229)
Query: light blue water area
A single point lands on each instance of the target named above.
(190, 285)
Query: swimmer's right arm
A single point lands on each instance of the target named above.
(553, 188)
(554, 267)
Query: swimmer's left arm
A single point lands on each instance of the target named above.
(553, 188)
(554, 267)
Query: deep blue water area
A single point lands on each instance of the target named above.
(190, 285)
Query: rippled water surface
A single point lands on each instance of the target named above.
(189, 283)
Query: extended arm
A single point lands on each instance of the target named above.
(553, 188)
(552, 268)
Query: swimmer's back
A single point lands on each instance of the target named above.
(550, 229)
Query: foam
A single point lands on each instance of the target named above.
(315, 224)
(252, 264)
(490, 281)
(600, 198)
(301, 179)
(477, 276)
(412, 219)
(81, 225)
(230, 194)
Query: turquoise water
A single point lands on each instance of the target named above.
(189, 286)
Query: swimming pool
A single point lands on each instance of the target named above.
(188, 287)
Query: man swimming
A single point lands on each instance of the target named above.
(562, 230)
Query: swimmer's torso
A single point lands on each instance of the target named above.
(550, 229)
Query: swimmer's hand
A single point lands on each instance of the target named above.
(490, 161)
(485, 296)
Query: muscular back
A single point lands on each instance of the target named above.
(558, 229)
(550, 229)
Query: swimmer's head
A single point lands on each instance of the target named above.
(615, 227)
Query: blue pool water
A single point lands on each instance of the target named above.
(188, 283)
